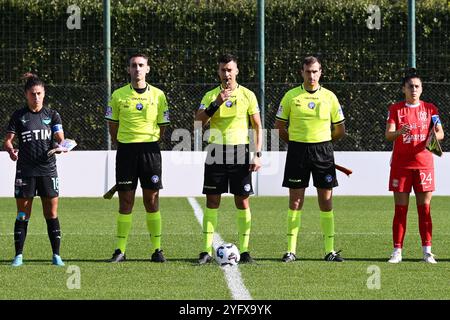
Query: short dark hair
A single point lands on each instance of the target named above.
(311, 60)
(225, 58)
(410, 74)
(137, 54)
(32, 80)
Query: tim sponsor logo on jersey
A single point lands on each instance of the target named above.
(37, 134)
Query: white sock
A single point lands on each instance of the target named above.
(397, 251)
(426, 249)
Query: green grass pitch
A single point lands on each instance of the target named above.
(363, 232)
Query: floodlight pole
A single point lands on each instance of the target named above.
(261, 72)
(261, 58)
(412, 33)
(107, 62)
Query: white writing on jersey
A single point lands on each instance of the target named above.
(41, 134)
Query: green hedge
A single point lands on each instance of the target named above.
(183, 38)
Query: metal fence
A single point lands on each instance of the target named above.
(365, 106)
(361, 45)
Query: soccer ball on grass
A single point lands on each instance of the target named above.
(227, 254)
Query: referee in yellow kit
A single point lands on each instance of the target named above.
(137, 115)
(229, 108)
(315, 119)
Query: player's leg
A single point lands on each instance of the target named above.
(244, 224)
(126, 181)
(296, 177)
(326, 218)
(423, 201)
(154, 222)
(423, 187)
(400, 182)
(296, 200)
(150, 177)
(48, 190)
(209, 225)
(24, 206)
(324, 176)
(24, 192)
(215, 182)
(241, 187)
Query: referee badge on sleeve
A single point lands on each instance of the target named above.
(108, 113)
(280, 110)
(166, 116)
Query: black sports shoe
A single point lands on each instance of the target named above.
(334, 256)
(289, 257)
(158, 256)
(204, 258)
(118, 256)
(246, 258)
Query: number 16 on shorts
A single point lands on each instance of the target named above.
(55, 181)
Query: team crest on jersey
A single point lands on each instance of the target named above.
(139, 106)
(395, 183)
(311, 105)
(46, 121)
(423, 116)
(228, 103)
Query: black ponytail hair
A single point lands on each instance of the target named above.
(32, 80)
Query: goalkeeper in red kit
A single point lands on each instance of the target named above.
(408, 126)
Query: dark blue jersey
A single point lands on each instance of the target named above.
(35, 133)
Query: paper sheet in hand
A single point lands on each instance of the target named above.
(65, 146)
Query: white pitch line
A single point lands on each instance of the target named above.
(232, 273)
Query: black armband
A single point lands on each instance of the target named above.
(213, 107)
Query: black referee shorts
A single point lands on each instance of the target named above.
(138, 161)
(227, 170)
(305, 158)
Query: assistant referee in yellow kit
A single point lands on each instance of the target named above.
(137, 115)
(315, 119)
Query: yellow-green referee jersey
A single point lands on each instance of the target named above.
(230, 124)
(139, 115)
(310, 115)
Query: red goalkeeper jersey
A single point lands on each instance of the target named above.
(409, 149)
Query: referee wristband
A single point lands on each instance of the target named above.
(213, 107)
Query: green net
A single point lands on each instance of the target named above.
(363, 45)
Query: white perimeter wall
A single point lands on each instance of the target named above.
(91, 173)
